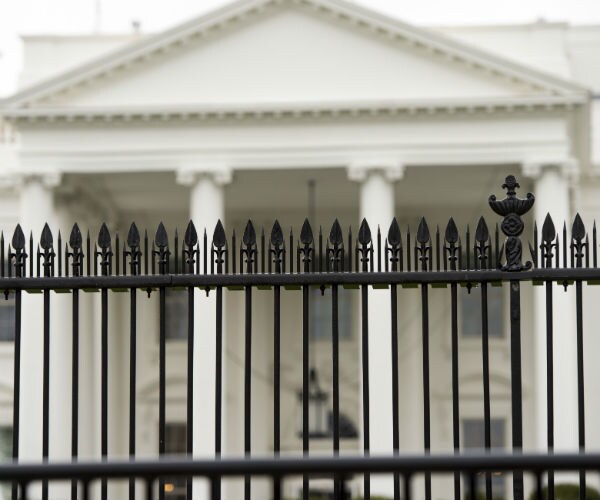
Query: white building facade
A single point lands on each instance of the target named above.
(232, 116)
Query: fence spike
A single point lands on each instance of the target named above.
(534, 256)
(276, 234)
(75, 238)
(88, 247)
(46, 240)
(394, 235)
(578, 246)
(394, 240)
(437, 247)
(364, 240)
(452, 247)
(161, 238)
(408, 248)
(565, 245)
(219, 238)
(277, 243)
(423, 248)
(249, 236)
(59, 249)
(104, 237)
(190, 238)
(335, 235)
(451, 235)
(233, 252)
(18, 239)
(306, 234)
(481, 232)
(133, 236)
(291, 252)
(594, 246)
(548, 230)
(578, 230)
(364, 233)
(423, 235)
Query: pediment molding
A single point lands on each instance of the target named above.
(295, 111)
(243, 11)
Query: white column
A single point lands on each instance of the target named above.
(552, 196)
(377, 207)
(207, 206)
(36, 208)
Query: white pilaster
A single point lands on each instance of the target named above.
(207, 206)
(552, 196)
(377, 207)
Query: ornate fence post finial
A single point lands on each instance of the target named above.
(512, 208)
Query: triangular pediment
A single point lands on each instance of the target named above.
(274, 52)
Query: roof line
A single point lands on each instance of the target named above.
(218, 18)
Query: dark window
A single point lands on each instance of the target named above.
(176, 314)
(7, 318)
(5, 456)
(320, 314)
(474, 438)
(175, 444)
(470, 308)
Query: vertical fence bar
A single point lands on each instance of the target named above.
(105, 254)
(305, 381)
(550, 381)
(455, 386)
(46, 389)
(335, 362)
(516, 387)
(132, 378)
(423, 254)
(395, 405)
(248, 249)
(104, 385)
(426, 391)
(162, 383)
(365, 247)
(276, 369)
(365, 381)
(16, 385)
(485, 356)
(218, 384)
(307, 253)
(247, 384)
(219, 256)
(189, 435)
(75, 387)
(580, 383)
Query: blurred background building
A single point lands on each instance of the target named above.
(284, 109)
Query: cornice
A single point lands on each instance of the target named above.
(341, 11)
(294, 111)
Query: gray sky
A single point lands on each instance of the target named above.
(115, 16)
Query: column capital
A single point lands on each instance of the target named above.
(535, 169)
(392, 170)
(188, 176)
(50, 179)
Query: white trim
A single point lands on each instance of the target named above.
(334, 156)
(341, 10)
(331, 110)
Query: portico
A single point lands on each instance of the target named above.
(410, 125)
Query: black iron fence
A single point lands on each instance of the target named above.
(392, 259)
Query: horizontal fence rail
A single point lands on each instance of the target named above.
(279, 469)
(423, 259)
